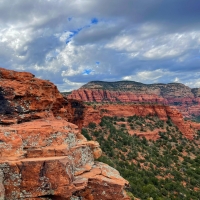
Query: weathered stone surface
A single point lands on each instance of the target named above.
(43, 155)
(42, 158)
(185, 99)
(94, 114)
(2, 189)
(107, 180)
(24, 98)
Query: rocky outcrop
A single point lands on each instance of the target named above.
(44, 156)
(24, 98)
(50, 158)
(185, 99)
(95, 113)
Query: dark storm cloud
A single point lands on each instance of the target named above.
(100, 33)
(147, 41)
(179, 12)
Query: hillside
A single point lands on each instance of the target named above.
(161, 169)
(173, 89)
(94, 113)
(185, 99)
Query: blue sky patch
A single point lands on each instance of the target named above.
(72, 34)
(67, 41)
(69, 19)
(75, 32)
(97, 62)
(87, 71)
(94, 21)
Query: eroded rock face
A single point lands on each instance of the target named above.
(94, 114)
(50, 157)
(43, 156)
(24, 98)
(185, 99)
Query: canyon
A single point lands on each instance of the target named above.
(43, 154)
(177, 95)
(94, 114)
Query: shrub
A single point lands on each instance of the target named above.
(92, 125)
(85, 133)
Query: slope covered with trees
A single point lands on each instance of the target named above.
(165, 169)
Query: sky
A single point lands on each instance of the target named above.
(73, 42)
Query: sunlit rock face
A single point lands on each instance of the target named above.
(24, 98)
(94, 114)
(43, 155)
(185, 99)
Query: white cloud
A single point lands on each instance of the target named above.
(15, 38)
(70, 72)
(162, 51)
(177, 80)
(152, 76)
(69, 85)
(156, 47)
(127, 43)
(195, 83)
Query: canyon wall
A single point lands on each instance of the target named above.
(43, 155)
(95, 113)
(185, 99)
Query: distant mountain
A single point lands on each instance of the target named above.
(176, 89)
(186, 99)
(111, 85)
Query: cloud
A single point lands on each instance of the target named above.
(71, 43)
(149, 76)
(195, 83)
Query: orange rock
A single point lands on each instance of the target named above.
(186, 100)
(95, 114)
(24, 97)
(108, 182)
(43, 155)
(46, 157)
(188, 129)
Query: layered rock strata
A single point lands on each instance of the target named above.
(50, 158)
(185, 99)
(95, 114)
(43, 156)
(24, 98)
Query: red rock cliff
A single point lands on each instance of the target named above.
(94, 114)
(42, 155)
(24, 97)
(185, 99)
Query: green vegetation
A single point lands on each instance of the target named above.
(197, 119)
(118, 85)
(66, 93)
(166, 169)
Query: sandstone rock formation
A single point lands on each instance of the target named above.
(185, 99)
(44, 156)
(95, 113)
(24, 98)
